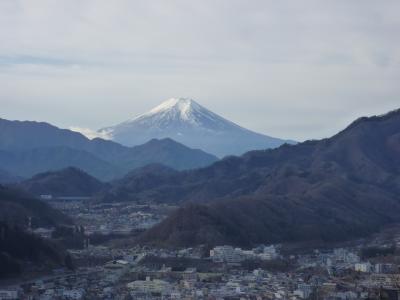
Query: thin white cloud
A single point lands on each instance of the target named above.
(89, 133)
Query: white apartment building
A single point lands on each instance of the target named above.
(226, 254)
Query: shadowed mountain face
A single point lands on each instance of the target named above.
(28, 148)
(20, 248)
(69, 182)
(7, 177)
(16, 207)
(169, 153)
(187, 122)
(141, 179)
(341, 187)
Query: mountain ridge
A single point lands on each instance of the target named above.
(336, 188)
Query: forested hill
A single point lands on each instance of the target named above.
(19, 248)
(17, 207)
(336, 188)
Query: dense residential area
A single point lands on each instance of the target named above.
(367, 269)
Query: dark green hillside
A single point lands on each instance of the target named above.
(139, 179)
(20, 249)
(66, 182)
(17, 207)
(7, 177)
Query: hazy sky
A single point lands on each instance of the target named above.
(292, 69)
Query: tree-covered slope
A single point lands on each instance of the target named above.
(336, 188)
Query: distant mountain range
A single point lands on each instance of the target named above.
(28, 148)
(336, 188)
(191, 124)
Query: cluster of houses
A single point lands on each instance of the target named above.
(155, 273)
(231, 255)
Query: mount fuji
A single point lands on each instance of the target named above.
(189, 123)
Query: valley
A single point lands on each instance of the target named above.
(116, 219)
(313, 220)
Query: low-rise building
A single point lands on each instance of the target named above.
(9, 294)
(226, 254)
(150, 286)
(269, 253)
(363, 267)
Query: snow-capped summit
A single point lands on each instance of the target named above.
(182, 106)
(187, 122)
(180, 113)
(174, 109)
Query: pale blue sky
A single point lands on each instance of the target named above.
(291, 69)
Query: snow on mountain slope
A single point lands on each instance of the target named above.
(187, 122)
